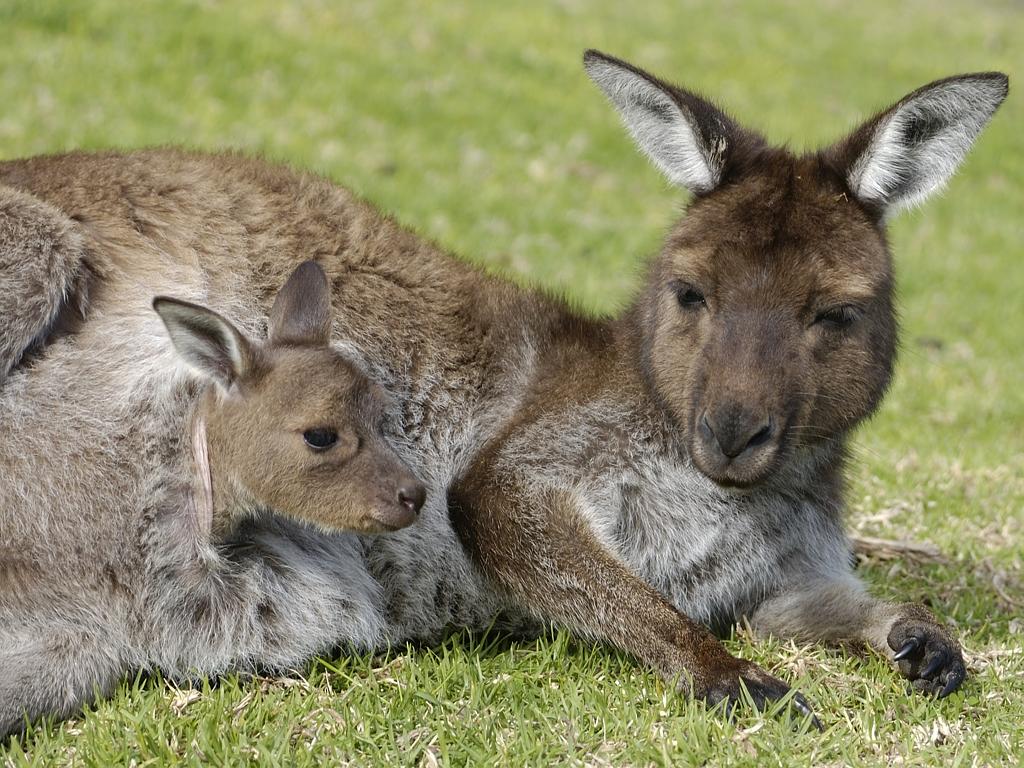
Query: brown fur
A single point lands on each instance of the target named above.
(547, 558)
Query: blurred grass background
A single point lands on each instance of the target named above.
(474, 123)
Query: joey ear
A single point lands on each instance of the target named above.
(690, 140)
(907, 152)
(205, 340)
(302, 310)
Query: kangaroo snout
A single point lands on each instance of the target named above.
(399, 504)
(732, 431)
(411, 496)
(735, 445)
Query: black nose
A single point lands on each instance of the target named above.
(732, 430)
(412, 497)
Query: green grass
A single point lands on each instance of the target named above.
(475, 124)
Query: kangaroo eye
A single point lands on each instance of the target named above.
(838, 317)
(320, 438)
(688, 296)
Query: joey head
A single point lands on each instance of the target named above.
(289, 424)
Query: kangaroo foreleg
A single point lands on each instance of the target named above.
(838, 609)
(537, 549)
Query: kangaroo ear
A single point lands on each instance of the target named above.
(205, 340)
(907, 152)
(302, 310)
(690, 140)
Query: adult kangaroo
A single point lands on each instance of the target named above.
(641, 479)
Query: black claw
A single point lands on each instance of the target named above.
(801, 705)
(933, 666)
(911, 646)
(952, 683)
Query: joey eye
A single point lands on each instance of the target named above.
(838, 317)
(320, 438)
(689, 296)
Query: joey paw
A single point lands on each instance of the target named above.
(927, 655)
(763, 689)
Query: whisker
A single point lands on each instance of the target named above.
(855, 447)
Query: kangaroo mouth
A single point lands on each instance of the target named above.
(386, 519)
(748, 469)
(738, 478)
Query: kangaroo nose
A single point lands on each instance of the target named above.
(412, 497)
(734, 430)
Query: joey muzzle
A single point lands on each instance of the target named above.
(411, 496)
(402, 508)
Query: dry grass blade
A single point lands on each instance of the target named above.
(871, 548)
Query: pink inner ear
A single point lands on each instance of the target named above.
(204, 499)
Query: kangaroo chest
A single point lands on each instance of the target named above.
(715, 554)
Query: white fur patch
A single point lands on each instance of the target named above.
(204, 500)
(897, 170)
(662, 130)
(206, 342)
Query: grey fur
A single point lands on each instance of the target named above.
(103, 567)
(43, 264)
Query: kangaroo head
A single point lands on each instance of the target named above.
(767, 320)
(290, 424)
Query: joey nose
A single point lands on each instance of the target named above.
(411, 496)
(731, 431)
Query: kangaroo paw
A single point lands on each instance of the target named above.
(927, 656)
